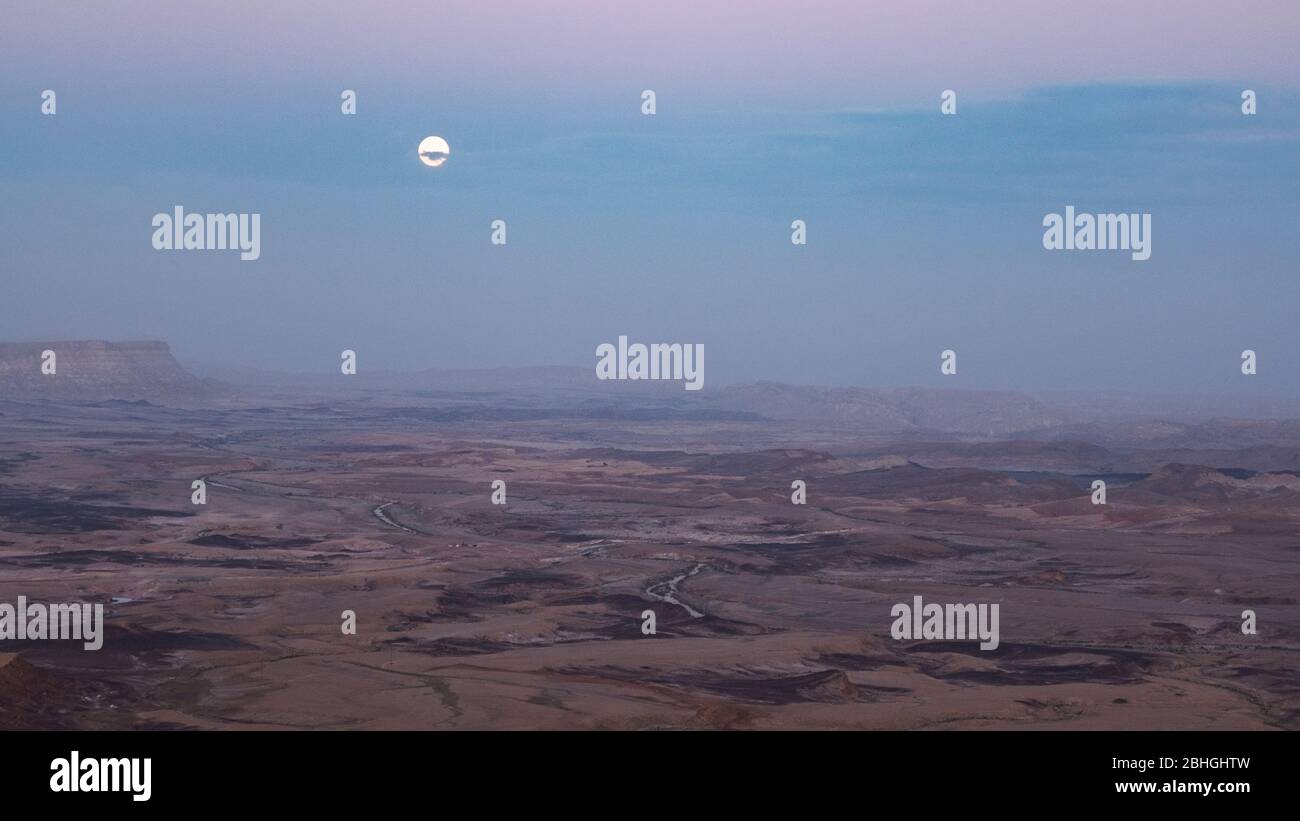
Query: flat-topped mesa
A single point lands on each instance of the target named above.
(95, 370)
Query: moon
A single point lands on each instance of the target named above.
(434, 151)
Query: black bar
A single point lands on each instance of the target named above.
(604, 772)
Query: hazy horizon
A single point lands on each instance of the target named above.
(924, 231)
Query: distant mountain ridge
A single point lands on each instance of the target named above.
(89, 371)
(869, 409)
(989, 413)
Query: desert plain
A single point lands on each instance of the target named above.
(530, 614)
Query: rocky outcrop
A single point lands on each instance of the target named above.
(89, 371)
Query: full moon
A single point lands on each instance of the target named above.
(434, 151)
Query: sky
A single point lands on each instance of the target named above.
(924, 231)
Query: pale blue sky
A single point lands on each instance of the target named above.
(924, 230)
